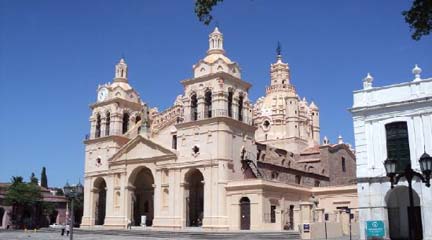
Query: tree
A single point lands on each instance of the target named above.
(25, 199)
(203, 10)
(44, 180)
(419, 18)
(59, 192)
(33, 179)
(78, 208)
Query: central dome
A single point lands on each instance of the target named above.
(211, 58)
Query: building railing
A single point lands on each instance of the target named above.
(195, 116)
(280, 88)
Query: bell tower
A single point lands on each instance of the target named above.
(216, 126)
(116, 117)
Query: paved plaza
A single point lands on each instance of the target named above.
(51, 234)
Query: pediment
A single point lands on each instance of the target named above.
(141, 148)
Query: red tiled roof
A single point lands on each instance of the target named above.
(311, 150)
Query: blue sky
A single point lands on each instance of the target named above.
(53, 54)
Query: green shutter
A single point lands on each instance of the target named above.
(398, 144)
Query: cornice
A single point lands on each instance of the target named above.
(223, 75)
(116, 100)
(142, 160)
(193, 163)
(116, 138)
(227, 120)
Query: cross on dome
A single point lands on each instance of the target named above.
(279, 71)
(279, 52)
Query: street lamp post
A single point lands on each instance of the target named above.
(426, 168)
(72, 192)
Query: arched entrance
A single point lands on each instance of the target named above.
(100, 203)
(194, 198)
(53, 217)
(244, 213)
(142, 198)
(399, 214)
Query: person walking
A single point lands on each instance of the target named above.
(67, 229)
(63, 229)
(129, 224)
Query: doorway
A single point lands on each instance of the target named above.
(194, 193)
(244, 213)
(143, 197)
(400, 214)
(2, 211)
(100, 204)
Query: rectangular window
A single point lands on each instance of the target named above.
(174, 142)
(317, 183)
(343, 165)
(272, 213)
(398, 144)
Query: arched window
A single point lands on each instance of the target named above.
(174, 142)
(240, 108)
(107, 124)
(298, 179)
(125, 123)
(194, 107)
(208, 104)
(398, 144)
(274, 175)
(137, 119)
(343, 165)
(230, 101)
(98, 126)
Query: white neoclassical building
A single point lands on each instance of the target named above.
(213, 160)
(395, 122)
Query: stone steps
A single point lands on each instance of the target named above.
(194, 234)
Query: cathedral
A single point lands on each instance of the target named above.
(214, 160)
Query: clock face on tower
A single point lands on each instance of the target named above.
(102, 94)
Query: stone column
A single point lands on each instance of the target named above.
(219, 104)
(103, 127)
(201, 107)
(235, 107)
(319, 213)
(296, 218)
(92, 128)
(306, 218)
(128, 201)
(88, 206)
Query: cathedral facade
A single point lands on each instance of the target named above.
(214, 159)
